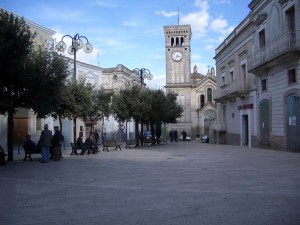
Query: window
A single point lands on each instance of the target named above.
(244, 74)
(209, 95)
(290, 18)
(262, 39)
(231, 75)
(291, 76)
(263, 84)
(177, 41)
(223, 79)
(182, 41)
(202, 101)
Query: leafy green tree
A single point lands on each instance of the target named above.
(29, 79)
(79, 97)
(133, 102)
(99, 106)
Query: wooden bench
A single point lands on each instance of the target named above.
(28, 153)
(107, 144)
(129, 143)
(149, 141)
(2, 158)
(74, 149)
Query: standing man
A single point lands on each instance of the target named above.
(96, 136)
(57, 141)
(171, 135)
(45, 141)
(183, 135)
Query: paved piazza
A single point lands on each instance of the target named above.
(184, 183)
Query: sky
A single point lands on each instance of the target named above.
(130, 32)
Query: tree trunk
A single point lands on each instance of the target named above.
(60, 123)
(74, 130)
(10, 136)
(142, 133)
(137, 136)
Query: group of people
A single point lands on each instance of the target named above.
(89, 145)
(173, 134)
(49, 146)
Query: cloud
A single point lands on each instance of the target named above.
(198, 20)
(132, 22)
(219, 24)
(223, 2)
(103, 3)
(166, 14)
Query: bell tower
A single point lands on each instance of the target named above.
(178, 54)
(178, 69)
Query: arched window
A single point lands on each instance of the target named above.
(209, 95)
(202, 101)
(177, 41)
(172, 41)
(182, 41)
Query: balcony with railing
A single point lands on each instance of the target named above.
(285, 45)
(217, 126)
(236, 88)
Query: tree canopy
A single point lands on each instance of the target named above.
(30, 78)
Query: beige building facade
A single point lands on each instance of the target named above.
(258, 67)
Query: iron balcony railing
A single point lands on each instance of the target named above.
(282, 45)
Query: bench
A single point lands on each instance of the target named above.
(107, 144)
(2, 158)
(129, 143)
(74, 149)
(28, 153)
(149, 141)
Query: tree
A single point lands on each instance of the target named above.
(29, 79)
(133, 102)
(79, 96)
(99, 105)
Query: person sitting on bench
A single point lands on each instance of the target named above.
(2, 156)
(30, 146)
(79, 144)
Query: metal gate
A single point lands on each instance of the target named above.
(265, 122)
(292, 122)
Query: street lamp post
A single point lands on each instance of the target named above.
(143, 74)
(77, 44)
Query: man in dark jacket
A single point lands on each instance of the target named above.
(30, 145)
(57, 141)
(45, 142)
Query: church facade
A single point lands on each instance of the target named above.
(195, 90)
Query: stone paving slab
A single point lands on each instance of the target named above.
(184, 183)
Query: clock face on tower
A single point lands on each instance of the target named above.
(176, 56)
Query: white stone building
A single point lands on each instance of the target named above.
(275, 61)
(236, 91)
(258, 67)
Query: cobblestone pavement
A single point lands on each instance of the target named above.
(184, 183)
